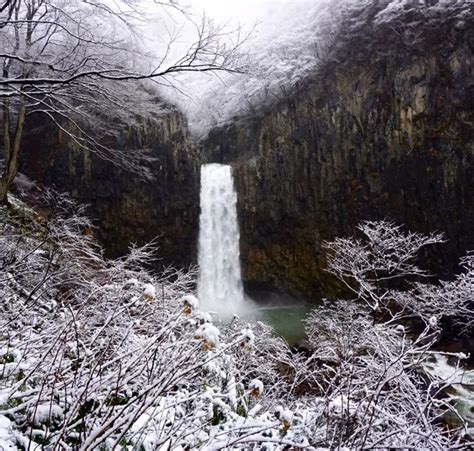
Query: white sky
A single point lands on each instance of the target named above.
(263, 19)
(251, 14)
(243, 10)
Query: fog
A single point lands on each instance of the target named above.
(243, 10)
(281, 41)
(280, 46)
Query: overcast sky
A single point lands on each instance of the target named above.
(270, 23)
(251, 14)
(243, 10)
(258, 14)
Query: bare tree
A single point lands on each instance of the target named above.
(451, 300)
(386, 253)
(72, 60)
(381, 270)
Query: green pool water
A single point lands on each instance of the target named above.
(286, 321)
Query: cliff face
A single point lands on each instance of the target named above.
(384, 130)
(127, 208)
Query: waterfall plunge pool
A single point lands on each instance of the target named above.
(286, 321)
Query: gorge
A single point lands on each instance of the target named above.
(381, 130)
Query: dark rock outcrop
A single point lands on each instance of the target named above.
(127, 208)
(384, 130)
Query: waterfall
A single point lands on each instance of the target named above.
(220, 285)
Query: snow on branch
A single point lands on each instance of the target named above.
(101, 354)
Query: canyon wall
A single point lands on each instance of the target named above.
(128, 208)
(384, 130)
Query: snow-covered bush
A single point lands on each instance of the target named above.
(453, 300)
(99, 354)
(381, 269)
(367, 360)
(375, 392)
(88, 362)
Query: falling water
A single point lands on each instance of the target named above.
(220, 284)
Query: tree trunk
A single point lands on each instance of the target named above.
(11, 148)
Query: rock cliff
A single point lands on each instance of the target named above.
(384, 129)
(127, 208)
